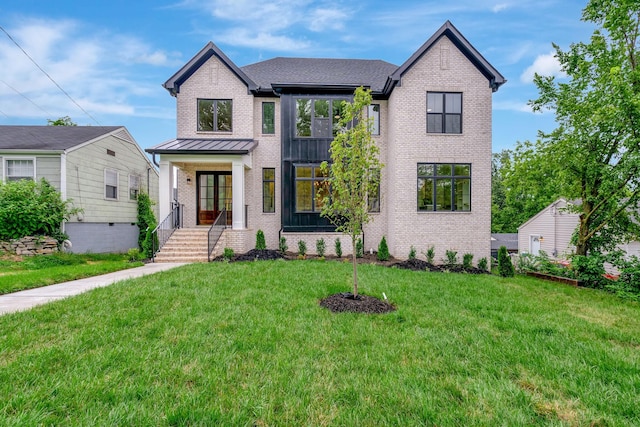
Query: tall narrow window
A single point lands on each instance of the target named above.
(268, 117)
(444, 187)
(374, 114)
(373, 198)
(134, 187)
(110, 184)
(444, 112)
(17, 169)
(311, 188)
(268, 190)
(215, 115)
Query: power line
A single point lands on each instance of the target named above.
(25, 97)
(50, 78)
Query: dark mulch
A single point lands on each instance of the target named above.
(260, 254)
(344, 302)
(420, 265)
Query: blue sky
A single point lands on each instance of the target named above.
(112, 57)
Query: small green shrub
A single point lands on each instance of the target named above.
(338, 247)
(134, 254)
(505, 267)
(430, 254)
(302, 248)
(228, 254)
(282, 245)
(320, 247)
(467, 261)
(483, 264)
(451, 257)
(383, 250)
(526, 263)
(589, 269)
(260, 241)
(412, 252)
(359, 248)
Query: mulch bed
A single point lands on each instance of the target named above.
(420, 265)
(259, 254)
(345, 302)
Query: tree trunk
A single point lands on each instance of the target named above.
(355, 267)
(583, 231)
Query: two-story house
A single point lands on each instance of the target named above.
(250, 140)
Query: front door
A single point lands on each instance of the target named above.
(214, 194)
(534, 245)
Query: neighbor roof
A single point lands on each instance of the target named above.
(204, 146)
(49, 138)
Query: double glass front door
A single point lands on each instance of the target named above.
(214, 195)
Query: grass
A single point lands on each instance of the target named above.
(247, 344)
(43, 270)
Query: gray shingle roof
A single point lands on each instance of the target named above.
(204, 146)
(49, 138)
(320, 72)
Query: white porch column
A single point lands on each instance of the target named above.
(165, 192)
(237, 177)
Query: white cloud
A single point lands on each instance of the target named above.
(262, 40)
(500, 7)
(327, 19)
(512, 106)
(545, 65)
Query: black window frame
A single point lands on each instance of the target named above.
(430, 175)
(269, 128)
(268, 190)
(375, 126)
(373, 201)
(215, 125)
(444, 115)
(316, 208)
(335, 108)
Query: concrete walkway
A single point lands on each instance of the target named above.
(24, 300)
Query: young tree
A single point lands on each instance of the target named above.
(353, 173)
(62, 121)
(597, 143)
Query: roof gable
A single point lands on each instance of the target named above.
(51, 138)
(448, 30)
(173, 84)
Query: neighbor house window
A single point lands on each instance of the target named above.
(444, 187)
(268, 190)
(311, 187)
(134, 187)
(110, 184)
(17, 169)
(215, 115)
(268, 117)
(318, 118)
(374, 113)
(444, 112)
(373, 198)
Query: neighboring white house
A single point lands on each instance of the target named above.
(101, 168)
(551, 229)
(250, 141)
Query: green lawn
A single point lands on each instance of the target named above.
(247, 344)
(43, 270)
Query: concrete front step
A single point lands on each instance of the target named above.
(185, 245)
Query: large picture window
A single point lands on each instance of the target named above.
(444, 187)
(268, 117)
(268, 190)
(110, 184)
(311, 187)
(17, 169)
(215, 115)
(444, 112)
(317, 118)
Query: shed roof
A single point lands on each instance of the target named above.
(50, 138)
(204, 146)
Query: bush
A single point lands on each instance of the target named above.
(430, 254)
(282, 245)
(505, 267)
(359, 248)
(146, 223)
(383, 250)
(228, 254)
(412, 252)
(483, 264)
(320, 247)
(338, 247)
(134, 254)
(260, 241)
(467, 261)
(302, 248)
(589, 269)
(452, 257)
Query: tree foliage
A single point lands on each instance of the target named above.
(596, 146)
(146, 224)
(32, 208)
(62, 121)
(353, 173)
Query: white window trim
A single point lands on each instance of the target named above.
(104, 187)
(139, 178)
(5, 168)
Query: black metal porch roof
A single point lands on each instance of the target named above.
(204, 146)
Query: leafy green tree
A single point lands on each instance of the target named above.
(62, 121)
(505, 266)
(32, 208)
(146, 224)
(353, 173)
(597, 144)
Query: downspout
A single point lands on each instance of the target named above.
(63, 181)
(153, 158)
(148, 170)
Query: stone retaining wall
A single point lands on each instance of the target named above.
(30, 245)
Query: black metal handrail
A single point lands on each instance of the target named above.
(161, 234)
(215, 232)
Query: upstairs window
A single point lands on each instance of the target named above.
(110, 184)
(215, 115)
(268, 118)
(444, 112)
(311, 187)
(17, 169)
(317, 118)
(134, 187)
(444, 187)
(374, 113)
